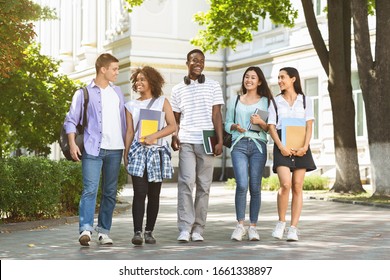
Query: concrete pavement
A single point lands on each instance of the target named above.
(328, 231)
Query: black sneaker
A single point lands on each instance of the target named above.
(149, 238)
(137, 239)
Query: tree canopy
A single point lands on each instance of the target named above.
(17, 31)
(34, 101)
(227, 23)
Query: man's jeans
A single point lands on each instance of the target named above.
(248, 165)
(108, 164)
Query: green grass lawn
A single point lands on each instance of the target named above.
(361, 198)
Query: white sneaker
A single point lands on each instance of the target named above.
(279, 230)
(238, 233)
(104, 239)
(196, 236)
(85, 238)
(292, 234)
(184, 236)
(252, 233)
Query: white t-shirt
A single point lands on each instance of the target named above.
(134, 106)
(195, 103)
(111, 120)
(297, 110)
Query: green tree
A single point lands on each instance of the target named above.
(336, 61)
(17, 31)
(33, 103)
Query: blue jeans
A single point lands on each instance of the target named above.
(248, 165)
(108, 164)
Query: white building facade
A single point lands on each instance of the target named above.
(158, 34)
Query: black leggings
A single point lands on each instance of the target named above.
(143, 188)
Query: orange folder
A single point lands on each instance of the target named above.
(293, 132)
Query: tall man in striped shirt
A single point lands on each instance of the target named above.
(196, 103)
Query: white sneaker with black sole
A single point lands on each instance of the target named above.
(104, 239)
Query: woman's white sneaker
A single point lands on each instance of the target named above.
(252, 233)
(279, 230)
(239, 232)
(292, 234)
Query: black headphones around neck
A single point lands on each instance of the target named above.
(201, 79)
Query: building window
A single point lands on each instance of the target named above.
(360, 123)
(311, 89)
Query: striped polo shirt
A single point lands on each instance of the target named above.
(195, 103)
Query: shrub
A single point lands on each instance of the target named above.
(315, 183)
(72, 186)
(270, 183)
(311, 182)
(6, 189)
(35, 188)
(32, 188)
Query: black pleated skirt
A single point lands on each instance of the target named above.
(293, 162)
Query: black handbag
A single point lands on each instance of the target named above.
(227, 137)
(79, 138)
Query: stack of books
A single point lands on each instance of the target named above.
(209, 141)
(150, 121)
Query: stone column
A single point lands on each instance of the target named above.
(89, 30)
(66, 36)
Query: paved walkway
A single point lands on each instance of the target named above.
(328, 231)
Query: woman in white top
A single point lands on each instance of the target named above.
(290, 164)
(147, 163)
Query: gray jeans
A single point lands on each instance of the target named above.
(195, 169)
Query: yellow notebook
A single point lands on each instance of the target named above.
(147, 127)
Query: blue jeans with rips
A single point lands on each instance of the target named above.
(248, 164)
(107, 164)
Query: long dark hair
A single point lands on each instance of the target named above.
(292, 72)
(154, 78)
(262, 89)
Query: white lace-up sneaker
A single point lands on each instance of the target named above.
(238, 233)
(279, 230)
(292, 234)
(197, 237)
(252, 234)
(85, 238)
(184, 236)
(104, 239)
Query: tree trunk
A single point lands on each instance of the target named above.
(340, 91)
(375, 82)
(337, 65)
